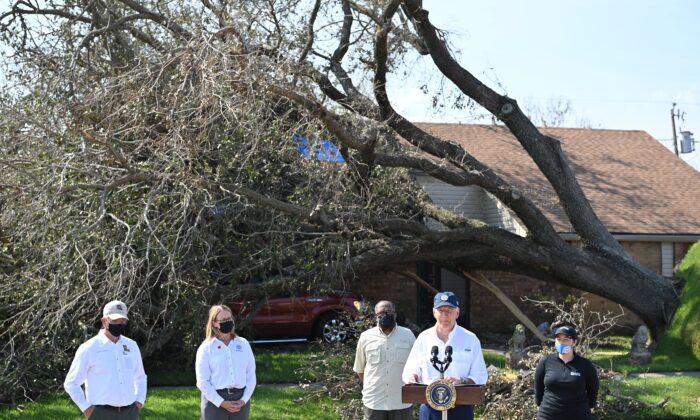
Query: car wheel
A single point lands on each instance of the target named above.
(333, 327)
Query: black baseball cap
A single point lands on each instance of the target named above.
(567, 331)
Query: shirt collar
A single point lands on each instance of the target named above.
(381, 332)
(102, 337)
(450, 336)
(224, 344)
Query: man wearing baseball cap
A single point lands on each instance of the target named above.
(110, 366)
(467, 367)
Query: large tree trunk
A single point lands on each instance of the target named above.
(647, 294)
(622, 280)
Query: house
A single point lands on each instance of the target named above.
(645, 195)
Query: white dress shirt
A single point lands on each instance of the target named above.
(112, 373)
(467, 359)
(381, 358)
(219, 366)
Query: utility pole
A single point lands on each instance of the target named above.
(673, 125)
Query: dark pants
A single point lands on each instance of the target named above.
(212, 412)
(460, 412)
(102, 412)
(404, 414)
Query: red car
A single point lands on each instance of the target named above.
(325, 316)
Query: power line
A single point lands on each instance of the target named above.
(629, 101)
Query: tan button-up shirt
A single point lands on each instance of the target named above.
(381, 358)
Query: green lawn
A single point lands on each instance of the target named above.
(496, 359)
(684, 393)
(683, 336)
(272, 367)
(267, 403)
(679, 349)
(280, 403)
(612, 354)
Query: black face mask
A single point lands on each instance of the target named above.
(226, 327)
(116, 329)
(387, 320)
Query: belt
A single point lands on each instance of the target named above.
(118, 409)
(230, 390)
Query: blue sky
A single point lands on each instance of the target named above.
(620, 63)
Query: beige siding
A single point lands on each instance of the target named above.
(463, 200)
(472, 202)
(667, 259)
(497, 214)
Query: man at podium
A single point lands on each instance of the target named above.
(467, 367)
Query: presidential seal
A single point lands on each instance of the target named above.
(441, 395)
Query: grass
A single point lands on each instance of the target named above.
(684, 393)
(683, 336)
(496, 359)
(267, 403)
(272, 367)
(612, 354)
(281, 403)
(679, 349)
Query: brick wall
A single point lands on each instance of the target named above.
(383, 285)
(647, 253)
(680, 249)
(489, 314)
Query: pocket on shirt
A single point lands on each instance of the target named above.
(374, 355)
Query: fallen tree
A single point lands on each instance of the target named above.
(148, 154)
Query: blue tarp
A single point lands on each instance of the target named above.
(326, 151)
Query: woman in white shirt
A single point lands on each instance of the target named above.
(225, 368)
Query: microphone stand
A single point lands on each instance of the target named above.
(441, 366)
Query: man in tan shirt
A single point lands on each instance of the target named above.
(379, 360)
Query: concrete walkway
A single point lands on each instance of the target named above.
(282, 385)
(663, 374)
(651, 375)
(630, 375)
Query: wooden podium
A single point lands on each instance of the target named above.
(466, 394)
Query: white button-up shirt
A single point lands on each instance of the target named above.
(112, 373)
(219, 366)
(467, 359)
(380, 358)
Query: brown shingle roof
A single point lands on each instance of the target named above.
(634, 183)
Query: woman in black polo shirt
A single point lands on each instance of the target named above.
(566, 384)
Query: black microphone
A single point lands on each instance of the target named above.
(448, 354)
(434, 354)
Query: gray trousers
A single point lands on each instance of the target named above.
(404, 414)
(212, 412)
(103, 413)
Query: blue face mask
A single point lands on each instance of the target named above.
(563, 348)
